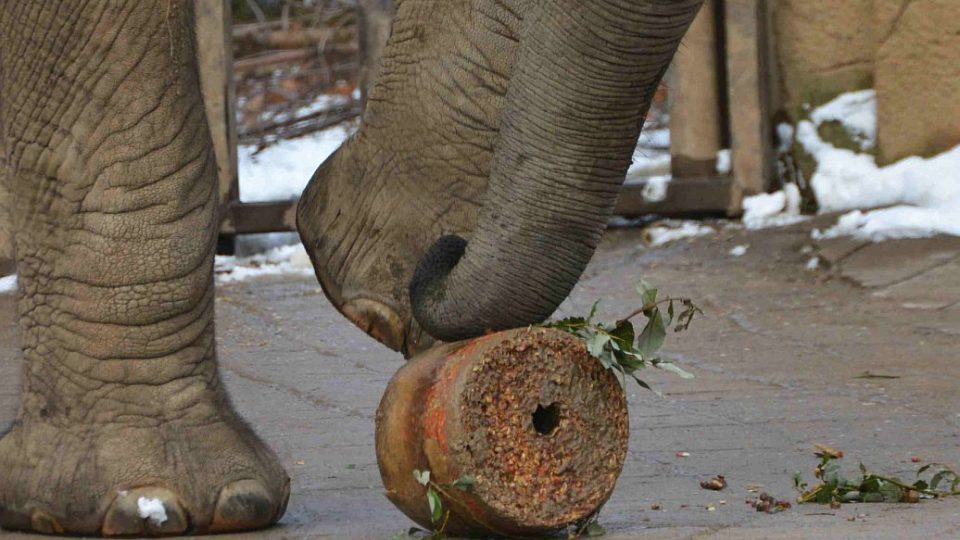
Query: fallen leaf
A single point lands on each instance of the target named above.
(911, 496)
(716, 483)
(823, 450)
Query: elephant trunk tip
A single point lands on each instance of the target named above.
(428, 288)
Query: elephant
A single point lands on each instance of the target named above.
(491, 153)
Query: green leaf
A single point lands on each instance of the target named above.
(651, 339)
(851, 496)
(595, 529)
(623, 333)
(436, 505)
(675, 369)
(648, 293)
(593, 311)
(891, 493)
(643, 384)
(870, 485)
(596, 344)
(422, 477)
(937, 478)
(465, 482)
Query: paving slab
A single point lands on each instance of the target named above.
(780, 356)
(895, 261)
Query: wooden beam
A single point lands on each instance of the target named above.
(685, 196)
(215, 56)
(695, 119)
(266, 217)
(748, 73)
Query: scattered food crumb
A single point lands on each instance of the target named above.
(683, 454)
(656, 506)
(770, 505)
(823, 450)
(916, 459)
(711, 508)
(715, 484)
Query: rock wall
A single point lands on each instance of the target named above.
(917, 77)
(822, 48)
(909, 50)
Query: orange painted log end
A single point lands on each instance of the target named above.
(539, 423)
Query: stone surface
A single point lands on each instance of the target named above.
(777, 356)
(822, 48)
(917, 77)
(898, 261)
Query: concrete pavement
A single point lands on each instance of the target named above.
(778, 359)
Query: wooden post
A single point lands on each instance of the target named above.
(7, 265)
(696, 125)
(748, 69)
(215, 55)
(376, 17)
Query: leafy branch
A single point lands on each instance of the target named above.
(835, 489)
(435, 502)
(616, 344)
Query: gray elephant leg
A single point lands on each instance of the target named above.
(124, 426)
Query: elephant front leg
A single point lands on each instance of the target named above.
(124, 426)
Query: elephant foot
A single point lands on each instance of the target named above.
(136, 480)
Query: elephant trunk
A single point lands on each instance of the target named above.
(583, 79)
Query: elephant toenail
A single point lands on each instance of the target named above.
(244, 505)
(145, 512)
(285, 499)
(43, 523)
(376, 319)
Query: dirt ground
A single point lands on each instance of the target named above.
(779, 359)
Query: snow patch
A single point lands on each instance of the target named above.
(773, 209)
(856, 112)
(283, 260)
(739, 251)
(656, 188)
(645, 165)
(922, 196)
(281, 171)
(724, 165)
(655, 138)
(658, 235)
(153, 510)
(8, 284)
